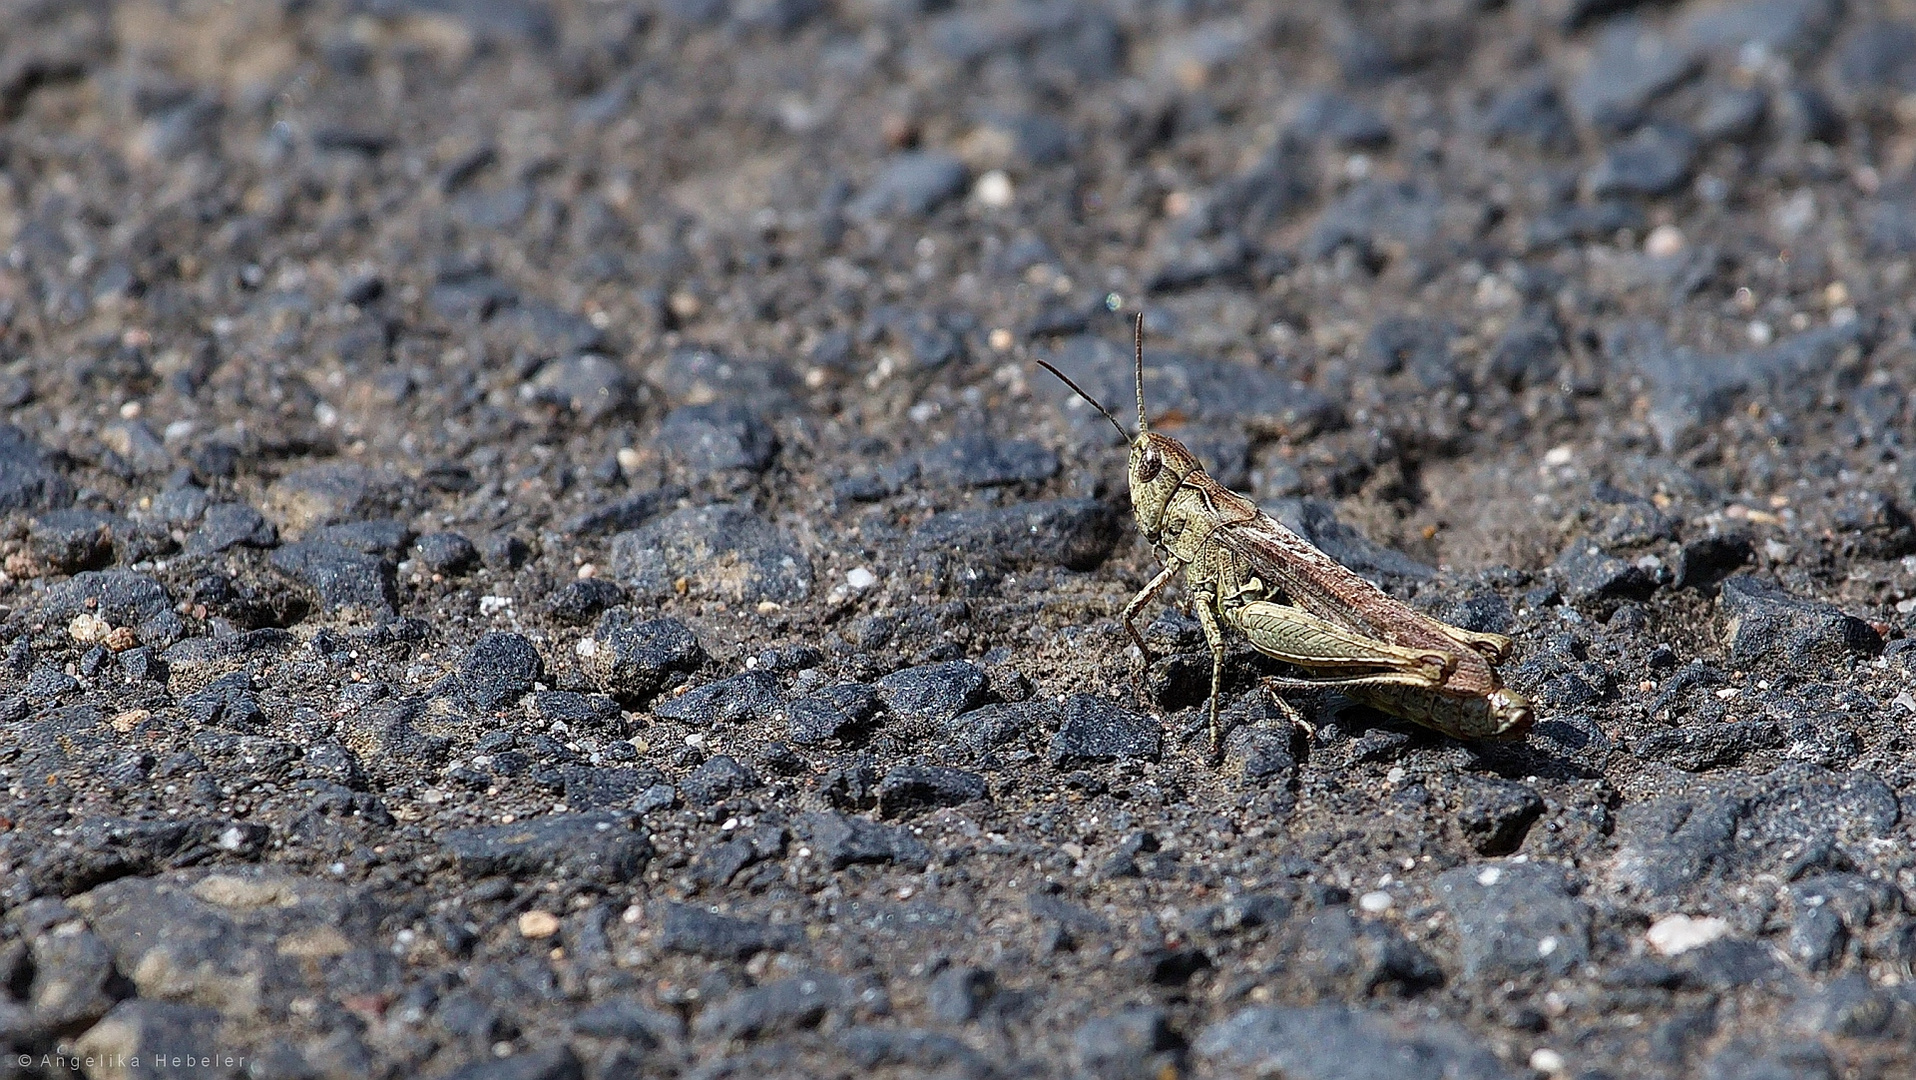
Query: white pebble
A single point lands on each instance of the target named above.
(860, 578)
(1663, 242)
(1490, 875)
(1558, 456)
(1675, 934)
(1545, 1060)
(88, 629)
(994, 189)
(1376, 902)
(1761, 333)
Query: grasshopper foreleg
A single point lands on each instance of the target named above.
(1146, 595)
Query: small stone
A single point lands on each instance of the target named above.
(138, 1029)
(994, 189)
(138, 446)
(717, 438)
(722, 551)
(959, 995)
(576, 711)
(47, 683)
(1076, 534)
(27, 481)
(1761, 620)
(1705, 560)
(978, 459)
(504, 551)
(628, 1018)
(1657, 160)
(1321, 1042)
(1420, 345)
(842, 841)
(383, 537)
(800, 1002)
(1495, 814)
(226, 525)
(1513, 918)
(1588, 574)
(447, 553)
(538, 925)
(836, 714)
(1096, 730)
(717, 779)
(591, 386)
(1878, 54)
(120, 597)
(1696, 747)
(1630, 68)
(1663, 242)
(699, 932)
(1672, 935)
(579, 602)
(543, 1063)
(69, 541)
(744, 698)
(326, 494)
(590, 787)
(1530, 113)
(934, 693)
(629, 512)
(909, 789)
(1732, 115)
(498, 670)
(346, 580)
(1530, 352)
(1341, 121)
(1134, 1042)
(590, 847)
(88, 629)
(911, 185)
(635, 660)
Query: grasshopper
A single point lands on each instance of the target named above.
(1292, 602)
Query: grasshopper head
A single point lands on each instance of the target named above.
(1159, 464)
(1510, 712)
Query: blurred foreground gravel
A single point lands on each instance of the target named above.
(534, 547)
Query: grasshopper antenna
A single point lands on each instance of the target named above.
(1094, 401)
(1137, 341)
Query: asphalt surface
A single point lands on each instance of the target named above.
(535, 545)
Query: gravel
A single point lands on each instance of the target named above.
(533, 544)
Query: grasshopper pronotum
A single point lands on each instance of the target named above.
(1297, 604)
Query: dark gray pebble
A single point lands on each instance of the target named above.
(723, 551)
(1097, 730)
(636, 659)
(934, 693)
(910, 789)
(446, 553)
(718, 779)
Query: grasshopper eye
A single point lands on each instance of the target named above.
(1150, 467)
